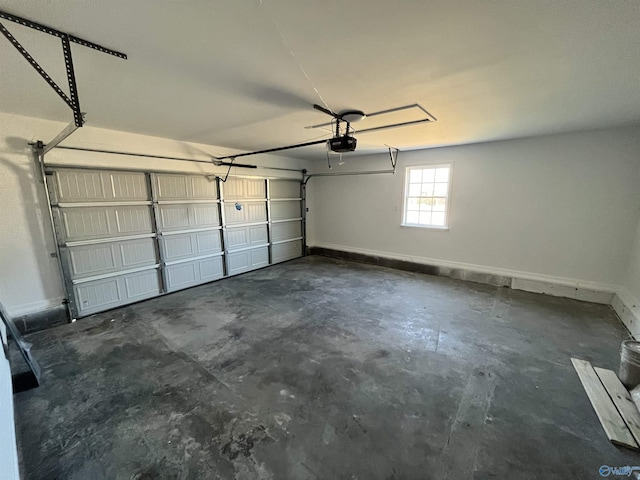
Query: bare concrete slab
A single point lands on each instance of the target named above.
(323, 369)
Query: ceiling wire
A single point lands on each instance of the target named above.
(295, 57)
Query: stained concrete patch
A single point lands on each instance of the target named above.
(329, 434)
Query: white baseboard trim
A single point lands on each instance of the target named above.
(554, 288)
(628, 309)
(531, 282)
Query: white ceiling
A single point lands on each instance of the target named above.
(243, 73)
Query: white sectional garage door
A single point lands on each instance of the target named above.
(105, 229)
(245, 224)
(285, 217)
(188, 226)
(128, 236)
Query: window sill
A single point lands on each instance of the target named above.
(430, 227)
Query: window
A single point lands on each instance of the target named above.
(426, 196)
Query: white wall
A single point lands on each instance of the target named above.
(627, 301)
(29, 277)
(632, 281)
(561, 208)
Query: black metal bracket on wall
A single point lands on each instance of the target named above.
(72, 99)
(394, 160)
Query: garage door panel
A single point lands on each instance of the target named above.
(187, 216)
(177, 246)
(132, 220)
(284, 189)
(247, 260)
(206, 215)
(137, 253)
(286, 230)
(211, 268)
(244, 188)
(171, 187)
(174, 217)
(102, 294)
(194, 272)
(259, 257)
(98, 186)
(103, 258)
(129, 186)
(286, 251)
(87, 223)
(239, 263)
(248, 213)
(205, 188)
(185, 187)
(98, 295)
(81, 224)
(196, 208)
(141, 285)
(91, 260)
(244, 237)
(185, 245)
(285, 210)
(255, 188)
(208, 242)
(181, 275)
(80, 186)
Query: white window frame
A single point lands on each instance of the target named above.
(405, 197)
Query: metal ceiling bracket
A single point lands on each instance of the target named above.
(72, 100)
(58, 33)
(224, 180)
(394, 161)
(71, 79)
(35, 65)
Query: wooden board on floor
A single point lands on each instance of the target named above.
(611, 421)
(622, 400)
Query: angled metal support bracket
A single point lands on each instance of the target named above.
(230, 164)
(72, 99)
(393, 155)
(71, 78)
(394, 160)
(68, 130)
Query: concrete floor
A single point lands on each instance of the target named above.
(323, 369)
